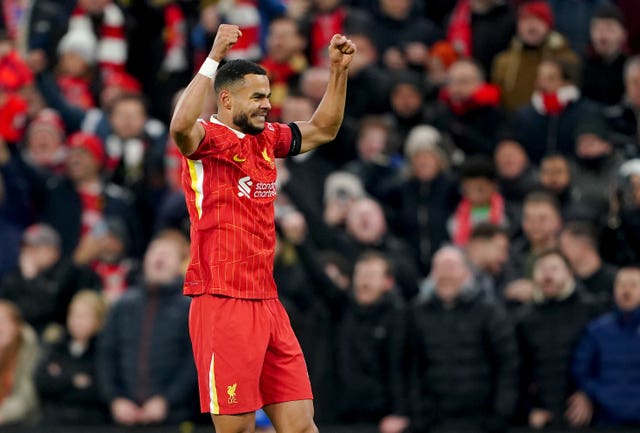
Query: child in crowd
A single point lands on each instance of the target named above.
(65, 377)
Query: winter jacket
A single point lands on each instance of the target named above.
(464, 362)
(515, 69)
(66, 399)
(144, 350)
(548, 332)
(45, 298)
(607, 367)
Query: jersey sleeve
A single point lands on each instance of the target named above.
(286, 141)
(212, 141)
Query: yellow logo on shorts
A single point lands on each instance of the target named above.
(231, 390)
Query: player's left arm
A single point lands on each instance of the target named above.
(326, 120)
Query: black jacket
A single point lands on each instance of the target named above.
(602, 81)
(144, 350)
(65, 399)
(45, 298)
(465, 362)
(548, 333)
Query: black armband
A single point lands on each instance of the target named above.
(296, 140)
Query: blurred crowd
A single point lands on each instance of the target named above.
(464, 255)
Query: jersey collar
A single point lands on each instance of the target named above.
(214, 119)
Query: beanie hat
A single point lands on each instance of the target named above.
(537, 9)
(41, 234)
(90, 143)
(594, 126)
(81, 42)
(48, 118)
(124, 81)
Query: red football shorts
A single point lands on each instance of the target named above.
(246, 354)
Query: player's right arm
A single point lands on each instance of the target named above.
(185, 129)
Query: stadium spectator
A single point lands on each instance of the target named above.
(407, 98)
(44, 281)
(607, 360)
(514, 69)
(402, 37)
(548, 123)
(480, 201)
(284, 60)
(481, 29)
(44, 147)
(596, 163)
(469, 109)
(421, 201)
(146, 372)
(66, 373)
(19, 353)
(556, 178)
(603, 65)
(86, 197)
(579, 243)
(574, 20)
(106, 252)
(548, 332)
(369, 84)
(75, 68)
(465, 355)
(376, 164)
(488, 255)
(107, 21)
(369, 327)
(541, 224)
(516, 177)
(623, 117)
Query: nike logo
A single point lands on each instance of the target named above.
(237, 158)
(265, 155)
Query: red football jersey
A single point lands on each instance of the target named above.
(230, 187)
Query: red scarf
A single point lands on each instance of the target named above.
(552, 104)
(486, 95)
(459, 32)
(92, 205)
(112, 45)
(76, 91)
(462, 217)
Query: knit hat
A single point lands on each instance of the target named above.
(90, 143)
(342, 184)
(425, 138)
(593, 126)
(48, 118)
(41, 234)
(124, 81)
(82, 42)
(537, 9)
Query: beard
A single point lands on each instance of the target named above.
(243, 121)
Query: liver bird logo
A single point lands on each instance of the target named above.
(231, 391)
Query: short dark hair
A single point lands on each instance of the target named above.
(609, 12)
(551, 252)
(478, 166)
(370, 255)
(583, 230)
(542, 197)
(234, 71)
(486, 230)
(568, 71)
